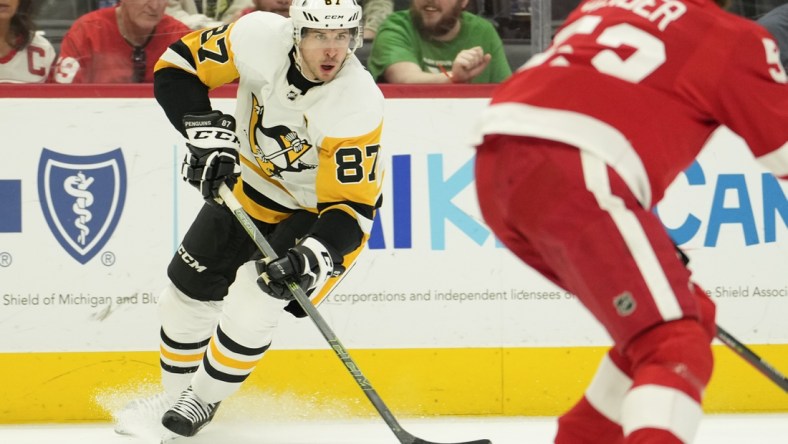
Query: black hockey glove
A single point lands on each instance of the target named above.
(213, 153)
(309, 264)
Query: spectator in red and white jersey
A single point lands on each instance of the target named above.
(579, 146)
(25, 55)
(117, 44)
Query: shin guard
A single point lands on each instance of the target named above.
(671, 367)
(597, 416)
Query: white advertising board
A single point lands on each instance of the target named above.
(92, 209)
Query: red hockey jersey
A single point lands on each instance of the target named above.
(94, 51)
(643, 83)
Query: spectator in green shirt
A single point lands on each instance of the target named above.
(436, 41)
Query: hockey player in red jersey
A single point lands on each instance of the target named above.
(580, 144)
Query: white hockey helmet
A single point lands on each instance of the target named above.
(327, 14)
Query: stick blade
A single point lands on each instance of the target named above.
(478, 441)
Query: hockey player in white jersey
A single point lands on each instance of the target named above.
(301, 154)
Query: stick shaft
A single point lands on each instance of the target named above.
(756, 361)
(303, 300)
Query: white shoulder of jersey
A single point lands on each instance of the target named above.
(357, 101)
(260, 35)
(40, 41)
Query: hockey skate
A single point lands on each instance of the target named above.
(142, 417)
(189, 414)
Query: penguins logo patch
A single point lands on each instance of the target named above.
(282, 156)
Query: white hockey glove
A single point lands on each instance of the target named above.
(213, 153)
(309, 264)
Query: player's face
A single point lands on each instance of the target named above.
(8, 9)
(435, 18)
(144, 14)
(323, 51)
(281, 7)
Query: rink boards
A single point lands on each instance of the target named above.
(441, 319)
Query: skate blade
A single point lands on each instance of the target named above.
(171, 438)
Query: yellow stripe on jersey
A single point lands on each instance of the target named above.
(256, 210)
(210, 53)
(347, 262)
(171, 59)
(349, 169)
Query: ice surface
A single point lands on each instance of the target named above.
(230, 429)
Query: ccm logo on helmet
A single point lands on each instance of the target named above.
(334, 17)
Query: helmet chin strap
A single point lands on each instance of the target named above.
(299, 60)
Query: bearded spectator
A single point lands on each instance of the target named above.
(436, 41)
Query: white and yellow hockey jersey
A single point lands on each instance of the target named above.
(304, 145)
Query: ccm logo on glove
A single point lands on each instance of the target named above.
(213, 153)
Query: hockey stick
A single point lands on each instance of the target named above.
(268, 253)
(756, 361)
(742, 350)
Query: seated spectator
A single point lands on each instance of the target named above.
(25, 55)
(374, 12)
(117, 44)
(199, 14)
(776, 22)
(435, 41)
(281, 7)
